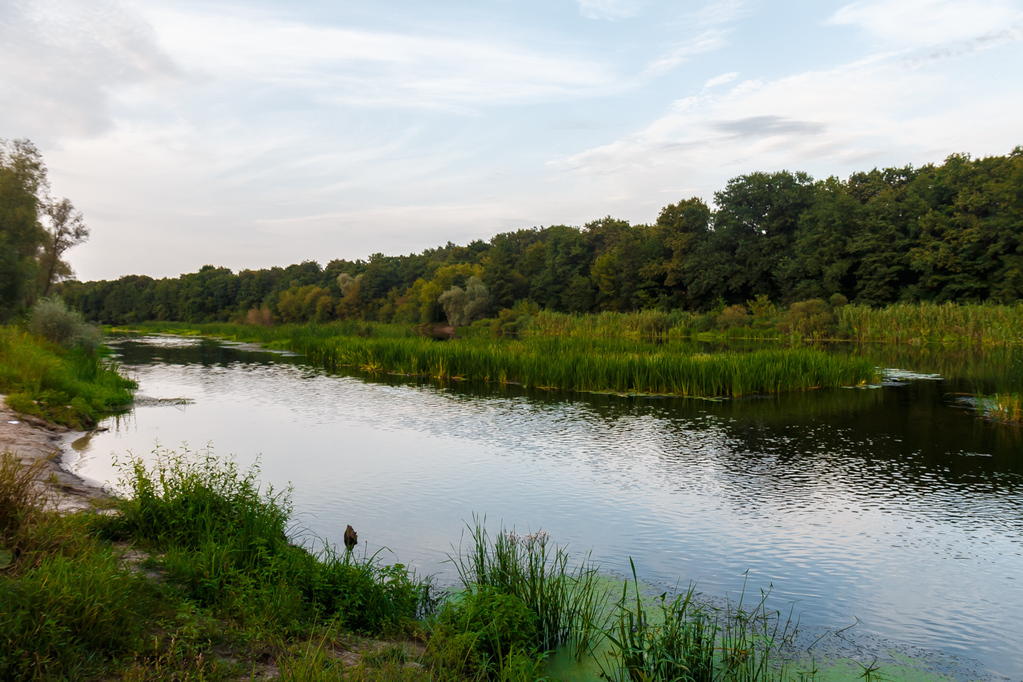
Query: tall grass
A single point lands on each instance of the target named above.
(72, 608)
(1006, 408)
(690, 642)
(226, 544)
(68, 386)
(582, 365)
(567, 601)
(576, 364)
(943, 323)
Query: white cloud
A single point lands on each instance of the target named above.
(59, 61)
(709, 40)
(722, 79)
(872, 112)
(372, 67)
(924, 23)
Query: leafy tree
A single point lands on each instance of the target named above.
(464, 306)
(22, 183)
(67, 228)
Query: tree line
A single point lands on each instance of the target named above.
(36, 230)
(948, 232)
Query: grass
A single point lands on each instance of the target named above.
(690, 642)
(564, 601)
(74, 608)
(74, 387)
(1005, 408)
(573, 364)
(949, 324)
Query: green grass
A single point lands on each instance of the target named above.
(74, 386)
(574, 364)
(922, 323)
(71, 608)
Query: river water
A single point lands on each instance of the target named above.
(891, 509)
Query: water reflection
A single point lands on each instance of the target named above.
(885, 505)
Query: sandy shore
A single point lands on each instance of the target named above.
(35, 439)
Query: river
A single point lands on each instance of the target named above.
(889, 509)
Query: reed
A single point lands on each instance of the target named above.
(1006, 408)
(688, 642)
(582, 365)
(567, 602)
(942, 323)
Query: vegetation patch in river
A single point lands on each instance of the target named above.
(616, 365)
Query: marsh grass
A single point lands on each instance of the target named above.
(1005, 408)
(566, 600)
(73, 386)
(225, 542)
(680, 640)
(612, 365)
(949, 324)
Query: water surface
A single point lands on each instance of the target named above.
(888, 508)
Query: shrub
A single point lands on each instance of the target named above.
(52, 320)
(812, 318)
(733, 316)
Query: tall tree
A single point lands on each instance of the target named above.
(22, 183)
(66, 229)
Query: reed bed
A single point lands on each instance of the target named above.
(687, 641)
(566, 364)
(946, 323)
(567, 602)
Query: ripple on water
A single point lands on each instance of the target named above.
(855, 505)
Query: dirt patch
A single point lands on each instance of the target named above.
(34, 439)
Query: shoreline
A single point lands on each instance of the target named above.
(34, 439)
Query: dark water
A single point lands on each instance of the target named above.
(889, 508)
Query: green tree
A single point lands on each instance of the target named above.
(66, 229)
(22, 184)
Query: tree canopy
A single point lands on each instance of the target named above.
(35, 229)
(949, 232)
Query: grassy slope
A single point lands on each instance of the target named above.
(71, 387)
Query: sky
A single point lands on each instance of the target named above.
(255, 133)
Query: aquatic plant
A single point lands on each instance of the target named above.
(942, 323)
(1006, 408)
(566, 601)
(683, 640)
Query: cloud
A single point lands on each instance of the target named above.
(707, 41)
(366, 67)
(871, 112)
(60, 60)
(766, 126)
(926, 23)
(722, 79)
(610, 9)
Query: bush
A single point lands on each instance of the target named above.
(812, 319)
(226, 546)
(52, 320)
(733, 316)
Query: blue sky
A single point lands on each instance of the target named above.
(258, 133)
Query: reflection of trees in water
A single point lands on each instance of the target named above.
(901, 443)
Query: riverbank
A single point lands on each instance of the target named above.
(38, 442)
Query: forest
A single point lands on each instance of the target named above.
(939, 233)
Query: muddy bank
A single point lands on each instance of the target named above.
(33, 439)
